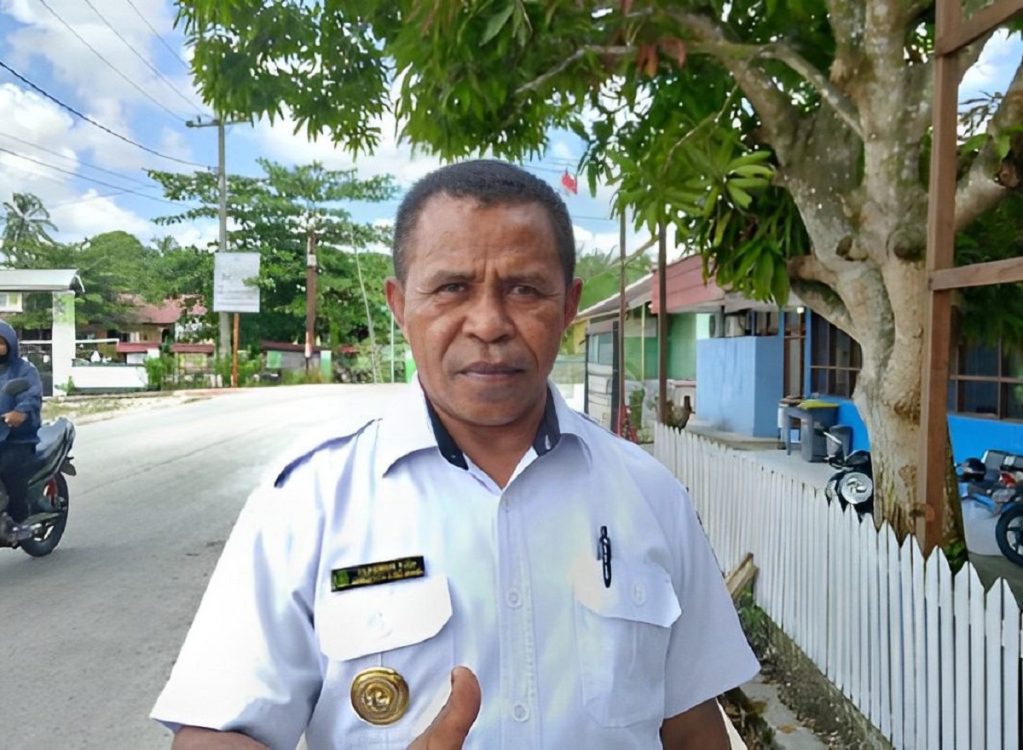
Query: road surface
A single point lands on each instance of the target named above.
(88, 635)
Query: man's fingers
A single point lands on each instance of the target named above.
(464, 704)
(449, 729)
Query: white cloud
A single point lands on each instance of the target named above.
(995, 66)
(197, 233)
(86, 218)
(279, 142)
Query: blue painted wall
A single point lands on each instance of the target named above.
(739, 383)
(849, 415)
(972, 436)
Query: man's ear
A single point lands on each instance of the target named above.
(572, 295)
(396, 300)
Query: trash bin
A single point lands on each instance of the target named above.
(814, 418)
(839, 438)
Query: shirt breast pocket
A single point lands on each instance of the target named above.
(622, 640)
(400, 626)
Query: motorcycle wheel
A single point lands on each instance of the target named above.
(1009, 534)
(42, 545)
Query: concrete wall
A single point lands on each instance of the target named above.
(109, 378)
(740, 383)
(682, 353)
(971, 436)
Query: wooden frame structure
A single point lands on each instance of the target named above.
(952, 33)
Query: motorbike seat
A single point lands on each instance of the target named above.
(51, 436)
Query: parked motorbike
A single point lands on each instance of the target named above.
(996, 483)
(853, 481)
(48, 496)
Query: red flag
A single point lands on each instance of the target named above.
(569, 183)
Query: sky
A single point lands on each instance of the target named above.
(134, 80)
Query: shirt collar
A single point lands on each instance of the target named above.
(547, 434)
(410, 424)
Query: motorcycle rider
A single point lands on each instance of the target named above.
(21, 425)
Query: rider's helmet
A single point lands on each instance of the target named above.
(972, 470)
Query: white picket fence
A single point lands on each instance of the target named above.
(933, 661)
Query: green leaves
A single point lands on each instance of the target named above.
(497, 22)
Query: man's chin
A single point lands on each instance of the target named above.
(494, 413)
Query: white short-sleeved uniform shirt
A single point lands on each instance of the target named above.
(514, 589)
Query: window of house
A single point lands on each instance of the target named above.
(601, 349)
(987, 380)
(10, 302)
(835, 359)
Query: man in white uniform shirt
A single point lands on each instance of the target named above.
(479, 522)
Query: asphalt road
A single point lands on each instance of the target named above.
(88, 635)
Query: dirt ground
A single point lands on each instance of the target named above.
(85, 409)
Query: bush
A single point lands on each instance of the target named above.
(248, 367)
(158, 371)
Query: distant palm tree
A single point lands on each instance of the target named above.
(25, 223)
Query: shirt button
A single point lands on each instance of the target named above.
(520, 712)
(513, 598)
(378, 625)
(638, 593)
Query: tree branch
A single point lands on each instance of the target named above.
(729, 51)
(772, 106)
(978, 191)
(824, 301)
(840, 103)
(590, 49)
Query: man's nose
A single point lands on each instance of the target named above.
(488, 318)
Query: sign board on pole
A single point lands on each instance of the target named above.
(234, 282)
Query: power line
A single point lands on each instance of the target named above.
(110, 65)
(84, 177)
(158, 35)
(68, 158)
(89, 120)
(190, 102)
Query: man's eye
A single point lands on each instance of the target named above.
(453, 288)
(524, 290)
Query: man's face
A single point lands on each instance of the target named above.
(3, 347)
(484, 306)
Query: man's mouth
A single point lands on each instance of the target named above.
(491, 369)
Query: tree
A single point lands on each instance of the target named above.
(112, 266)
(788, 139)
(25, 222)
(600, 270)
(276, 215)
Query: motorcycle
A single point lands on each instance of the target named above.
(996, 483)
(853, 482)
(48, 495)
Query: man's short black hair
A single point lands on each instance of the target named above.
(490, 182)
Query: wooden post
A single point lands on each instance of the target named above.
(937, 334)
(621, 324)
(662, 325)
(234, 353)
(310, 298)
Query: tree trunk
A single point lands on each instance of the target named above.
(888, 395)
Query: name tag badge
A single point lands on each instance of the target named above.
(372, 574)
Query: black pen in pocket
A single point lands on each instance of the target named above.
(604, 554)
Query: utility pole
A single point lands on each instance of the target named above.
(622, 308)
(662, 324)
(310, 296)
(225, 330)
(224, 344)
